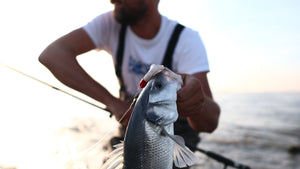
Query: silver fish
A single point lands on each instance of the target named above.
(150, 142)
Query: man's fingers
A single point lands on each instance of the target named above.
(190, 96)
(190, 105)
(191, 85)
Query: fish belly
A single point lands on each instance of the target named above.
(149, 149)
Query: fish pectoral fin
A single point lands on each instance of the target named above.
(182, 155)
(115, 158)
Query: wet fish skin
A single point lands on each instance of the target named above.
(145, 146)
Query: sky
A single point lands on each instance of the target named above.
(252, 45)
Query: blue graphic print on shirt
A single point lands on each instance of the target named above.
(137, 67)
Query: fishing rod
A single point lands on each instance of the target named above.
(226, 161)
(53, 87)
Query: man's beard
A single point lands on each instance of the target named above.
(130, 16)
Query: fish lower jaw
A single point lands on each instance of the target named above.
(163, 102)
(159, 122)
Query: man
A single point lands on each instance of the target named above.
(146, 38)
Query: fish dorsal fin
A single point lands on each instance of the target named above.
(182, 155)
(115, 158)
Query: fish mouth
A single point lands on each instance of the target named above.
(155, 119)
(163, 102)
(158, 121)
(162, 112)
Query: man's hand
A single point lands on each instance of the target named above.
(118, 108)
(190, 97)
(194, 101)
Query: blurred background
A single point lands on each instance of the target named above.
(254, 56)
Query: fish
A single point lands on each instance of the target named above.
(149, 141)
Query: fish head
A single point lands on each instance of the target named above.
(162, 88)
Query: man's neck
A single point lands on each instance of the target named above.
(148, 27)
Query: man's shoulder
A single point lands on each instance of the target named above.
(188, 31)
(103, 30)
(107, 17)
(103, 24)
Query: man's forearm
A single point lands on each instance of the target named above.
(65, 68)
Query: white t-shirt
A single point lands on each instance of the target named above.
(189, 55)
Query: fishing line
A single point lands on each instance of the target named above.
(106, 134)
(65, 92)
(110, 131)
(53, 87)
(131, 105)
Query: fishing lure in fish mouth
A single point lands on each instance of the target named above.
(154, 70)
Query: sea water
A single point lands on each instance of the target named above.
(256, 129)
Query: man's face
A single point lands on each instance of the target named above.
(129, 11)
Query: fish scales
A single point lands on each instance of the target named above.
(145, 147)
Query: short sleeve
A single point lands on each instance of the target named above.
(99, 29)
(190, 54)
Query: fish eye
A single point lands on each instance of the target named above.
(158, 85)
